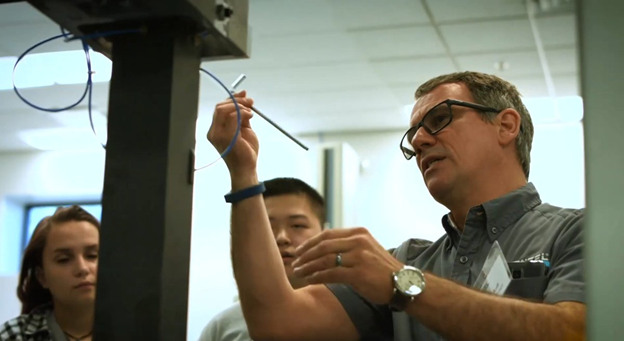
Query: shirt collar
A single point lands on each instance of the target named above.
(451, 231)
(500, 213)
(451, 222)
(36, 322)
(508, 209)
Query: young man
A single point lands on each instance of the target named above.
(296, 213)
(471, 139)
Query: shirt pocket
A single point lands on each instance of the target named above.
(531, 288)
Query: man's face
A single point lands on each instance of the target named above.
(464, 149)
(293, 222)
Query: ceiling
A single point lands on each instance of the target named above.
(342, 65)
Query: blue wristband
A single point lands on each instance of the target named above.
(245, 193)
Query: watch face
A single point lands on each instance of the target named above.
(409, 281)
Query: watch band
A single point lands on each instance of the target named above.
(399, 301)
(245, 193)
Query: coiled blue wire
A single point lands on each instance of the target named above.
(89, 85)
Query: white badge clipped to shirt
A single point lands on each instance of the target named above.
(495, 275)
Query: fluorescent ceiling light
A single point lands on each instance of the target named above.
(79, 118)
(75, 133)
(46, 69)
(61, 139)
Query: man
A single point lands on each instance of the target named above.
(296, 213)
(471, 138)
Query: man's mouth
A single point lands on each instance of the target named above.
(430, 161)
(288, 256)
(433, 162)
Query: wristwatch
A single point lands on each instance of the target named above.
(408, 282)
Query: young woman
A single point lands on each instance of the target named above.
(57, 280)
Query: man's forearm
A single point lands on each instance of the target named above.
(256, 261)
(460, 313)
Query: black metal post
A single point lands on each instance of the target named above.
(145, 239)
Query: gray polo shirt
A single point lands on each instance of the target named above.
(526, 230)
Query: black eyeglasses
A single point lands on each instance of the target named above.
(436, 119)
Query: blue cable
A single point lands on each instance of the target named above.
(84, 94)
(89, 86)
(64, 33)
(238, 117)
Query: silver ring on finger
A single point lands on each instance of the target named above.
(338, 259)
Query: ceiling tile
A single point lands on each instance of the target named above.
(347, 102)
(489, 36)
(18, 38)
(305, 49)
(516, 63)
(373, 119)
(405, 93)
(366, 14)
(398, 42)
(415, 71)
(562, 61)
(565, 85)
(459, 10)
(313, 78)
(301, 81)
(529, 86)
(557, 30)
(290, 17)
(20, 13)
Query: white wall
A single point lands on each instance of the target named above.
(10, 306)
(27, 178)
(392, 200)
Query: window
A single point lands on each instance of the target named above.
(35, 213)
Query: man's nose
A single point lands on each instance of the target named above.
(422, 140)
(281, 236)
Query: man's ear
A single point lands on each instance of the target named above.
(41, 277)
(509, 121)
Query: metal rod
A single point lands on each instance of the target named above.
(236, 83)
(279, 128)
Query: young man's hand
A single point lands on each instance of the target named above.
(242, 159)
